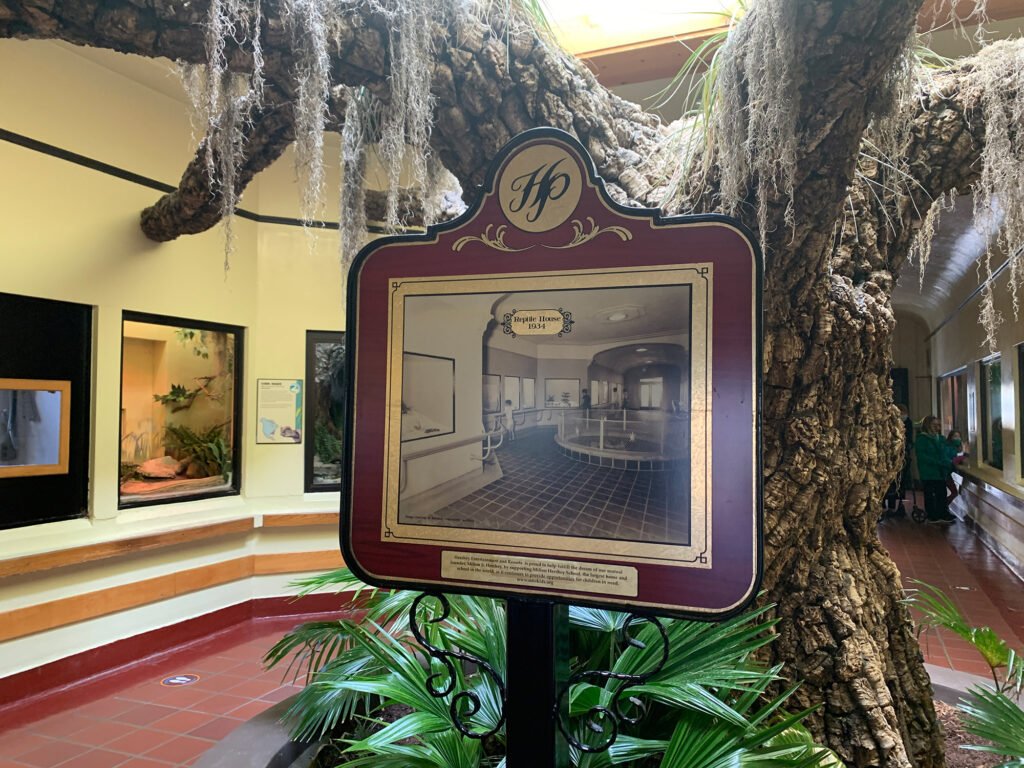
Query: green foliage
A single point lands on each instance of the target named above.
(326, 446)
(195, 338)
(707, 707)
(939, 611)
(179, 394)
(208, 447)
(992, 714)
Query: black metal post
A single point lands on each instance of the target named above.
(538, 667)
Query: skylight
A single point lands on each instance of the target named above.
(594, 25)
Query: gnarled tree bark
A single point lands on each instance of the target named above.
(831, 437)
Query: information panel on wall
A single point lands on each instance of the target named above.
(555, 396)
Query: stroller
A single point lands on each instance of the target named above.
(893, 501)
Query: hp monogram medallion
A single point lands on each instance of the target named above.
(540, 188)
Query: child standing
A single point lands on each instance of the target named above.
(510, 420)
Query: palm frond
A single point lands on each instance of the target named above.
(440, 749)
(340, 580)
(319, 707)
(798, 735)
(991, 715)
(939, 611)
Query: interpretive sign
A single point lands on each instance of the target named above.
(557, 396)
(279, 411)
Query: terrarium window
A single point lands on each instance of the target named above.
(180, 402)
(991, 411)
(325, 409)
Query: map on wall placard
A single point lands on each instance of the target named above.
(538, 392)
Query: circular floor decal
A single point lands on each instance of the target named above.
(174, 680)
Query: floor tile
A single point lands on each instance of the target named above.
(252, 689)
(101, 733)
(63, 724)
(181, 722)
(144, 714)
(250, 710)
(19, 742)
(180, 749)
(139, 741)
(216, 729)
(954, 560)
(220, 705)
(52, 754)
(96, 758)
(280, 694)
(106, 708)
(532, 495)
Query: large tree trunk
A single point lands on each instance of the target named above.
(832, 441)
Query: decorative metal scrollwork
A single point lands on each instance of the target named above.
(613, 714)
(447, 659)
(581, 235)
(495, 241)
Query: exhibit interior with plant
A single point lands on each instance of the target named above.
(185, 187)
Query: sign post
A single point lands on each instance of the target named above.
(555, 399)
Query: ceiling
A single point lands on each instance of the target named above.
(622, 359)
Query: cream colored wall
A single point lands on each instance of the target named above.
(961, 342)
(911, 351)
(72, 233)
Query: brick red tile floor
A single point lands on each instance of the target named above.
(143, 724)
(956, 561)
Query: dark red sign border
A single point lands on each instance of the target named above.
(713, 593)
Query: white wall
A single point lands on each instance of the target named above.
(439, 328)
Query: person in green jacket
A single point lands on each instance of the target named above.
(933, 466)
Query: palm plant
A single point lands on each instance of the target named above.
(993, 713)
(939, 611)
(707, 706)
(208, 447)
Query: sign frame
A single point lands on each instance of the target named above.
(594, 244)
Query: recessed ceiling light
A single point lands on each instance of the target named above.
(641, 349)
(616, 316)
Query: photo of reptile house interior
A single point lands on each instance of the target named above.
(183, 189)
(587, 425)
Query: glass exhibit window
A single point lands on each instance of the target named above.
(180, 409)
(325, 409)
(1020, 402)
(529, 398)
(595, 392)
(952, 402)
(561, 393)
(34, 427)
(991, 384)
(511, 384)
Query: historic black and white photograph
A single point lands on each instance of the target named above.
(571, 413)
